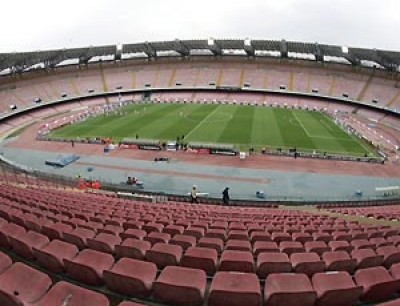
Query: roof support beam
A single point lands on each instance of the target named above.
(283, 48)
(248, 47)
(118, 52)
(181, 48)
(386, 62)
(350, 56)
(150, 51)
(319, 56)
(214, 47)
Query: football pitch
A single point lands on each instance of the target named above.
(244, 126)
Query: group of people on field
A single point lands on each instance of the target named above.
(194, 194)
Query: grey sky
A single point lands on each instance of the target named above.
(43, 24)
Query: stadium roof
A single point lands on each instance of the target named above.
(17, 62)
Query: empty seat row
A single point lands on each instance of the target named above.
(236, 257)
(186, 286)
(111, 236)
(21, 284)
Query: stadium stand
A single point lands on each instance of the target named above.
(373, 265)
(72, 248)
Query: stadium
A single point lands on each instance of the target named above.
(101, 147)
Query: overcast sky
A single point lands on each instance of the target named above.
(27, 25)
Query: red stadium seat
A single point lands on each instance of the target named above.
(194, 231)
(358, 234)
(88, 266)
(185, 241)
(320, 236)
(389, 232)
(234, 289)
(391, 255)
(318, 247)
(104, 242)
(341, 236)
(56, 231)
(254, 227)
(362, 244)
(278, 237)
(22, 285)
(131, 277)
(268, 263)
(395, 240)
(37, 224)
(259, 236)
(132, 248)
(238, 234)
(78, 236)
(238, 245)
(23, 244)
(156, 237)
(289, 289)
(367, 258)
(94, 226)
(10, 230)
(164, 255)
(339, 261)
(395, 271)
(302, 237)
(341, 246)
(5, 262)
(290, 247)
(378, 284)
(335, 288)
(173, 229)
(153, 227)
(216, 233)
(51, 256)
(133, 233)
(265, 247)
(132, 224)
(180, 286)
(239, 261)
(379, 242)
(307, 263)
(200, 258)
(64, 293)
(113, 229)
(203, 224)
(218, 225)
(212, 243)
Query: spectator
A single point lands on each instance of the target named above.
(225, 196)
(193, 195)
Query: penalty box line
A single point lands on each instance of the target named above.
(201, 122)
(301, 124)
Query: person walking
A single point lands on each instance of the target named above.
(193, 195)
(225, 196)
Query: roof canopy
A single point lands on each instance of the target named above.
(18, 62)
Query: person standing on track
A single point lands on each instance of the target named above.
(193, 195)
(225, 196)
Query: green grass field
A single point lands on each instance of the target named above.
(243, 126)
